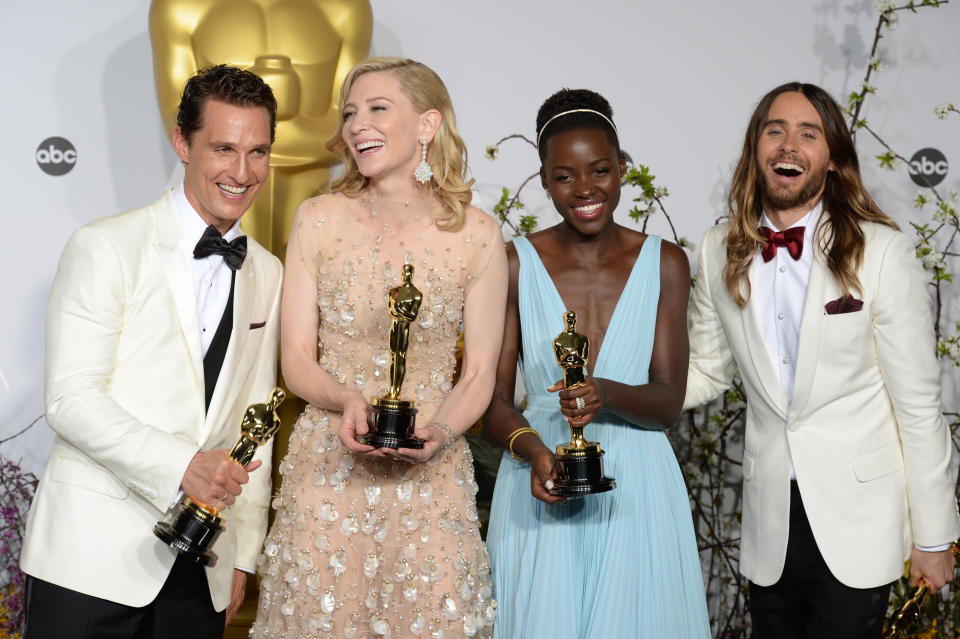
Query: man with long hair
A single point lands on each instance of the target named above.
(812, 293)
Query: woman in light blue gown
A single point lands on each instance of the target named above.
(622, 563)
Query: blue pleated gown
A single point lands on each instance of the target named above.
(608, 566)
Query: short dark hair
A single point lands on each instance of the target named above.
(223, 83)
(568, 100)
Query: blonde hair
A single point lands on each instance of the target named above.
(446, 154)
(845, 199)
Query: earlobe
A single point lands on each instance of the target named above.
(180, 145)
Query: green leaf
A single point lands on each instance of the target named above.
(887, 159)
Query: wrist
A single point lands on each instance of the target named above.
(524, 443)
(600, 385)
(447, 433)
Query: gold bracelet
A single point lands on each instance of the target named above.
(513, 436)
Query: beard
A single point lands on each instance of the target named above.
(780, 199)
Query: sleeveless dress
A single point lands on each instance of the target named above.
(366, 547)
(618, 564)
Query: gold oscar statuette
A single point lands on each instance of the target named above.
(907, 615)
(579, 463)
(191, 528)
(392, 418)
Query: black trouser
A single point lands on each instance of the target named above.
(181, 609)
(808, 602)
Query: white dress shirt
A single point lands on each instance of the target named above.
(211, 274)
(779, 289)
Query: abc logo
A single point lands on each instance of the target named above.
(928, 167)
(56, 156)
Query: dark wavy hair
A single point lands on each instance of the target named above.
(223, 83)
(569, 100)
(845, 199)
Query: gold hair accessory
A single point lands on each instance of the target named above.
(563, 113)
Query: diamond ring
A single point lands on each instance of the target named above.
(580, 403)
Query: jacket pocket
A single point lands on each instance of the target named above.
(89, 477)
(878, 463)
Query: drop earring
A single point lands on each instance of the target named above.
(423, 172)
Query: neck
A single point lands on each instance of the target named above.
(397, 187)
(221, 225)
(588, 250)
(785, 218)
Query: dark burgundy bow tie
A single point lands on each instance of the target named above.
(791, 238)
(212, 243)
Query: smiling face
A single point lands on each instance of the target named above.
(225, 162)
(582, 169)
(793, 157)
(382, 129)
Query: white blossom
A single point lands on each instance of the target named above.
(950, 349)
(931, 259)
(947, 209)
(883, 6)
(877, 65)
(943, 110)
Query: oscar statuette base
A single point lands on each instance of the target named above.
(391, 424)
(581, 471)
(191, 530)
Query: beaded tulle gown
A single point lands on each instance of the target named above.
(370, 547)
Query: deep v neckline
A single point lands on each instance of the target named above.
(558, 299)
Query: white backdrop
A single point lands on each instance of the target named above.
(683, 78)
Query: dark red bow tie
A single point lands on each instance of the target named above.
(791, 238)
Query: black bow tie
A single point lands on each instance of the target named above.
(212, 243)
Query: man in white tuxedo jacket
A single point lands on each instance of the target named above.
(162, 327)
(814, 296)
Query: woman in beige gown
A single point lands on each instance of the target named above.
(381, 542)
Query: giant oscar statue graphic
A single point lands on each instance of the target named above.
(302, 49)
(579, 463)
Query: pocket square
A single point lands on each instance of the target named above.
(843, 305)
(257, 325)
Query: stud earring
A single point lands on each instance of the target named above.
(423, 172)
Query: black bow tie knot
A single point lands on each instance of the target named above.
(212, 243)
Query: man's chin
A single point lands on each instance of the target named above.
(783, 199)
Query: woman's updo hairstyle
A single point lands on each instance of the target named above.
(573, 109)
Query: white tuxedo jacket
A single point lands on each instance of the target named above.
(863, 430)
(124, 393)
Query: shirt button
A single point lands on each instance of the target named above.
(779, 315)
(783, 269)
(786, 360)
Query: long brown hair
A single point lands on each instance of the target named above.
(447, 154)
(845, 199)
